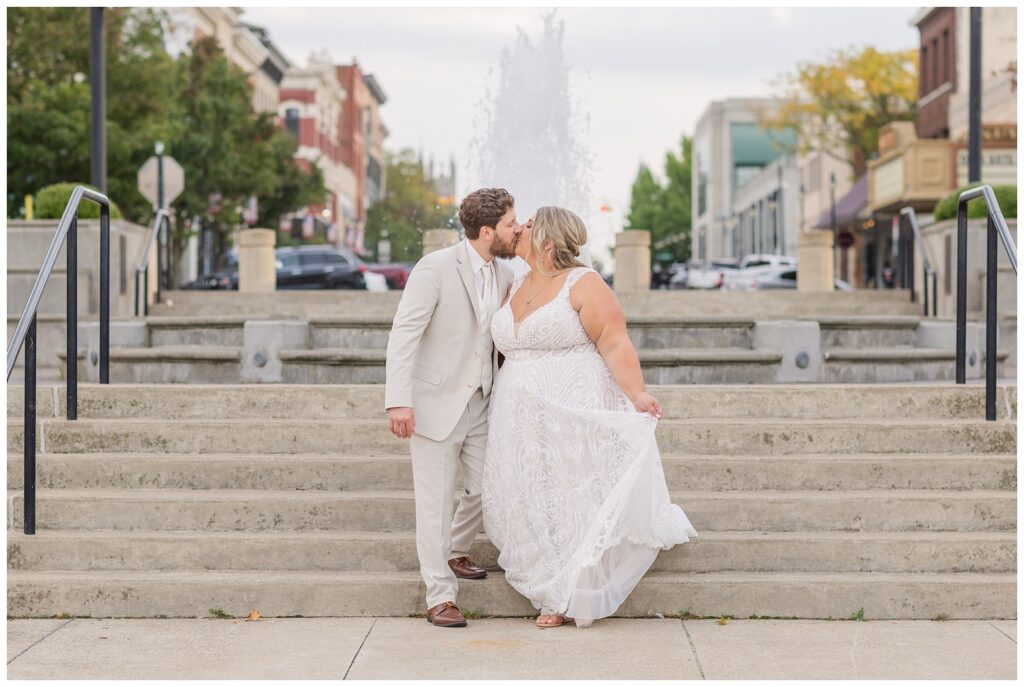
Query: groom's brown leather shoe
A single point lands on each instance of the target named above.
(446, 615)
(466, 569)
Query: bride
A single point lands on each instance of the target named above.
(574, 496)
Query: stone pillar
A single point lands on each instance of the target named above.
(257, 270)
(816, 270)
(632, 261)
(436, 239)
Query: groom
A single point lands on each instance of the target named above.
(440, 366)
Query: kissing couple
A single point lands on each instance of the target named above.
(556, 448)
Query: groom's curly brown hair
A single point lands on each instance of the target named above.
(484, 208)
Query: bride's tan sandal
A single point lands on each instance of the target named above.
(552, 620)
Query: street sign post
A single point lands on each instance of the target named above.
(161, 179)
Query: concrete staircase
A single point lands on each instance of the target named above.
(811, 501)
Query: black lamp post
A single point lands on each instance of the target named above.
(974, 100)
(832, 212)
(98, 99)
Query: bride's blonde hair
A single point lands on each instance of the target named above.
(566, 232)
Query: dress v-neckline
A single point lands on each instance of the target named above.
(517, 326)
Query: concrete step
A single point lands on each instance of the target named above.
(660, 366)
(170, 364)
(277, 305)
(190, 363)
(885, 510)
(312, 594)
(656, 332)
(917, 552)
(646, 331)
(319, 472)
(223, 330)
(709, 366)
(863, 331)
(892, 363)
(304, 304)
(351, 331)
(256, 402)
(696, 436)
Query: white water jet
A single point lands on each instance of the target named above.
(530, 131)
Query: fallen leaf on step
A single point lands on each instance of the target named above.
(254, 615)
(723, 620)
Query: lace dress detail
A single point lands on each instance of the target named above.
(574, 494)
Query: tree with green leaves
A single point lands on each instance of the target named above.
(839, 106)
(48, 99)
(410, 207)
(664, 208)
(230, 152)
(200, 106)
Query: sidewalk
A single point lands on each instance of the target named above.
(366, 648)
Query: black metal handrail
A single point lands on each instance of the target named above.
(909, 218)
(161, 221)
(996, 226)
(25, 332)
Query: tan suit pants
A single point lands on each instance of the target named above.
(444, 532)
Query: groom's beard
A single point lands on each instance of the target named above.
(503, 249)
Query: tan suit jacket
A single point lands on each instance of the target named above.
(435, 344)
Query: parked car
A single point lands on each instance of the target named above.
(785, 278)
(397, 273)
(712, 275)
(319, 267)
(306, 267)
(753, 266)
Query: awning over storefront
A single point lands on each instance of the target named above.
(849, 207)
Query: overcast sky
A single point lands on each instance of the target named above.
(644, 76)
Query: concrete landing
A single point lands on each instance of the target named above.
(398, 648)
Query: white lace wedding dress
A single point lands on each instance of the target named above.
(574, 494)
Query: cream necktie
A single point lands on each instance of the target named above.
(487, 306)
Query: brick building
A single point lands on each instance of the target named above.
(333, 113)
(362, 135)
(310, 109)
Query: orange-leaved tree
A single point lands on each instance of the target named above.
(839, 105)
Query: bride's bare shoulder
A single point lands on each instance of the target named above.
(589, 287)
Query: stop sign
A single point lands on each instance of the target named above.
(174, 179)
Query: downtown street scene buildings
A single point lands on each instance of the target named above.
(756, 190)
(332, 111)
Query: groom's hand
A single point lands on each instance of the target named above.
(401, 422)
